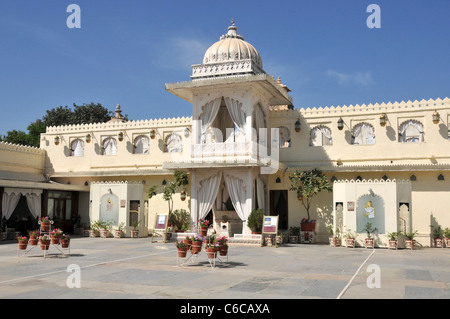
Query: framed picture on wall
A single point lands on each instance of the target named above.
(350, 206)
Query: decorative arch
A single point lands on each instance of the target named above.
(363, 134)
(141, 145)
(173, 143)
(109, 146)
(320, 136)
(77, 147)
(410, 131)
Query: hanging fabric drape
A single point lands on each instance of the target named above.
(260, 193)
(317, 136)
(207, 194)
(9, 203)
(34, 204)
(260, 123)
(77, 148)
(237, 194)
(285, 137)
(237, 115)
(209, 113)
(363, 133)
(411, 131)
(109, 146)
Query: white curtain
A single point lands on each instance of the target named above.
(141, 145)
(285, 137)
(34, 204)
(260, 193)
(237, 194)
(9, 203)
(77, 147)
(318, 134)
(109, 146)
(363, 134)
(411, 131)
(174, 144)
(237, 115)
(209, 113)
(207, 194)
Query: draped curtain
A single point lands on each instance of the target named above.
(237, 194)
(109, 146)
(209, 113)
(207, 193)
(77, 147)
(317, 135)
(9, 203)
(411, 131)
(237, 115)
(260, 193)
(34, 204)
(363, 134)
(285, 137)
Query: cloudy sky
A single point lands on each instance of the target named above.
(126, 50)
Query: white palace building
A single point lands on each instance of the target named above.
(239, 147)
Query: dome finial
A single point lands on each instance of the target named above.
(232, 21)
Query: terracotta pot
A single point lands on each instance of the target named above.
(33, 241)
(45, 244)
(308, 226)
(223, 251)
(350, 242)
(65, 243)
(447, 242)
(23, 244)
(182, 253)
(393, 244)
(293, 239)
(438, 243)
(203, 231)
(55, 239)
(369, 243)
(212, 252)
(409, 243)
(196, 247)
(335, 241)
(45, 226)
(188, 243)
(93, 233)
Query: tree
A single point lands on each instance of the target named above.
(307, 185)
(80, 114)
(181, 179)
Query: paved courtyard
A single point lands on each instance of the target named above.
(137, 268)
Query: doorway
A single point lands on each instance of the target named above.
(279, 206)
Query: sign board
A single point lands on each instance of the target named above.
(160, 225)
(270, 225)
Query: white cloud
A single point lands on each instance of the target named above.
(182, 53)
(356, 78)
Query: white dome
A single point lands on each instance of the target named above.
(232, 47)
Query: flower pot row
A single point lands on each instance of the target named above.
(44, 241)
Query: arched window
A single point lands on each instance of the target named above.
(320, 136)
(141, 145)
(410, 132)
(363, 134)
(77, 148)
(173, 143)
(109, 146)
(285, 137)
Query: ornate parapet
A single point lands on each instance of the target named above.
(237, 67)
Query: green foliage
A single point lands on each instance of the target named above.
(80, 114)
(370, 230)
(438, 232)
(447, 232)
(180, 179)
(308, 184)
(181, 219)
(411, 235)
(255, 220)
(294, 231)
(393, 235)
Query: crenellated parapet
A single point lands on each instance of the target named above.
(5, 146)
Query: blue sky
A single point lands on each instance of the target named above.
(125, 52)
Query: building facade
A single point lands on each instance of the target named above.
(239, 147)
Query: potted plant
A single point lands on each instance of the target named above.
(94, 230)
(350, 239)
(369, 240)
(188, 241)
(55, 236)
(23, 242)
(438, 234)
(44, 242)
(197, 242)
(255, 220)
(65, 241)
(410, 241)
(447, 237)
(210, 238)
(118, 233)
(45, 223)
(180, 219)
(211, 249)
(34, 234)
(135, 230)
(203, 225)
(294, 232)
(307, 185)
(223, 246)
(335, 238)
(104, 227)
(393, 240)
(182, 249)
